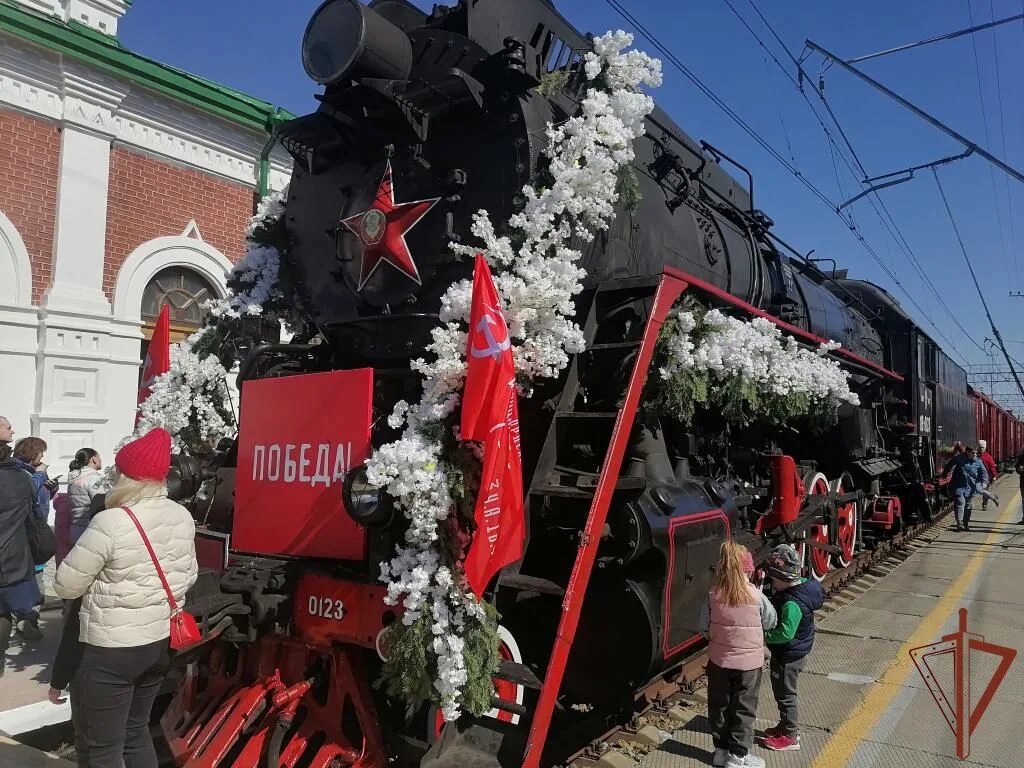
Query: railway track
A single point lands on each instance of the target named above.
(668, 703)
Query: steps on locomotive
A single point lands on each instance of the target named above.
(570, 469)
(595, 385)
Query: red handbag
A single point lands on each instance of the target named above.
(184, 630)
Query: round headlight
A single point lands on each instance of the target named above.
(366, 504)
(332, 40)
(347, 39)
(185, 477)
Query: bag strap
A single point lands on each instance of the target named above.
(156, 563)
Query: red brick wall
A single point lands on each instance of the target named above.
(150, 198)
(29, 161)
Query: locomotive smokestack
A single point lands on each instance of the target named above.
(345, 40)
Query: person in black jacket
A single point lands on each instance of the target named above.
(19, 593)
(1020, 475)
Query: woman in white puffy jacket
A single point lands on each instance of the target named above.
(125, 613)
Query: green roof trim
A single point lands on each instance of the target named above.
(105, 52)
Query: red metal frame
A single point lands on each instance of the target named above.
(800, 333)
(883, 512)
(329, 610)
(670, 288)
(679, 522)
(242, 702)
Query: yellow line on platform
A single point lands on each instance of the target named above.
(844, 742)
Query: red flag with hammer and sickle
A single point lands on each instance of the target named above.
(490, 415)
(158, 357)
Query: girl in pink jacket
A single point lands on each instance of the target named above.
(734, 619)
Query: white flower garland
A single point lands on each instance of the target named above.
(185, 395)
(258, 269)
(758, 351)
(537, 282)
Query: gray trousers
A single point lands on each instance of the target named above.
(986, 495)
(962, 508)
(784, 678)
(732, 707)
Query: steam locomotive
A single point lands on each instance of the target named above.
(626, 509)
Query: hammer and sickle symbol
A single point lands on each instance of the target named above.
(494, 347)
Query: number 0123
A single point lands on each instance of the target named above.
(326, 608)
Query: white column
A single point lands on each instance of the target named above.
(78, 351)
(81, 229)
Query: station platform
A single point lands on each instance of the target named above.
(862, 700)
(23, 688)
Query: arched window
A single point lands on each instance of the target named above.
(185, 291)
(182, 289)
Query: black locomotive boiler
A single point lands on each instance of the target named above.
(625, 510)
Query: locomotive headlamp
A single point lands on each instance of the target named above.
(346, 39)
(185, 477)
(365, 503)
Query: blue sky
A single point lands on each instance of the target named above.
(254, 46)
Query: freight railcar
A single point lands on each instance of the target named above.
(448, 104)
(1000, 428)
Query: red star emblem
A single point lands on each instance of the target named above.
(382, 229)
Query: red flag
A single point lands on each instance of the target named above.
(158, 358)
(490, 415)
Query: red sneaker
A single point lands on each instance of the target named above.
(783, 743)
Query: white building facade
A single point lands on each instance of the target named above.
(124, 184)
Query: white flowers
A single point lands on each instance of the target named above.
(192, 396)
(757, 351)
(185, 397)
(255, 276)
(537, 282)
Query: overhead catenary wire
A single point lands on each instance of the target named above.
(704, 88)
(988, 140)
(670, 56)
(974, 277)
(887, 221)
(1002, 130)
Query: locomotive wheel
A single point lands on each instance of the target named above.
(848, 521)
(508, 650)
(819, 561)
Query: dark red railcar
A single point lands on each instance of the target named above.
(1002, 431)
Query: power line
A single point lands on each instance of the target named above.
(939, 39)
(893, 229)
(671, 57)
(988, 138)
(998, 162)
(974, 277)
(888, 221)
(707, 91)
(1002, 130)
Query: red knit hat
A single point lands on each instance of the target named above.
(148, 458)
(747, 560)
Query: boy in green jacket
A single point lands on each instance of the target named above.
(795, 600)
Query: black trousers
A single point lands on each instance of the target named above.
(117, 687)
(784, 679)
(732, 707)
